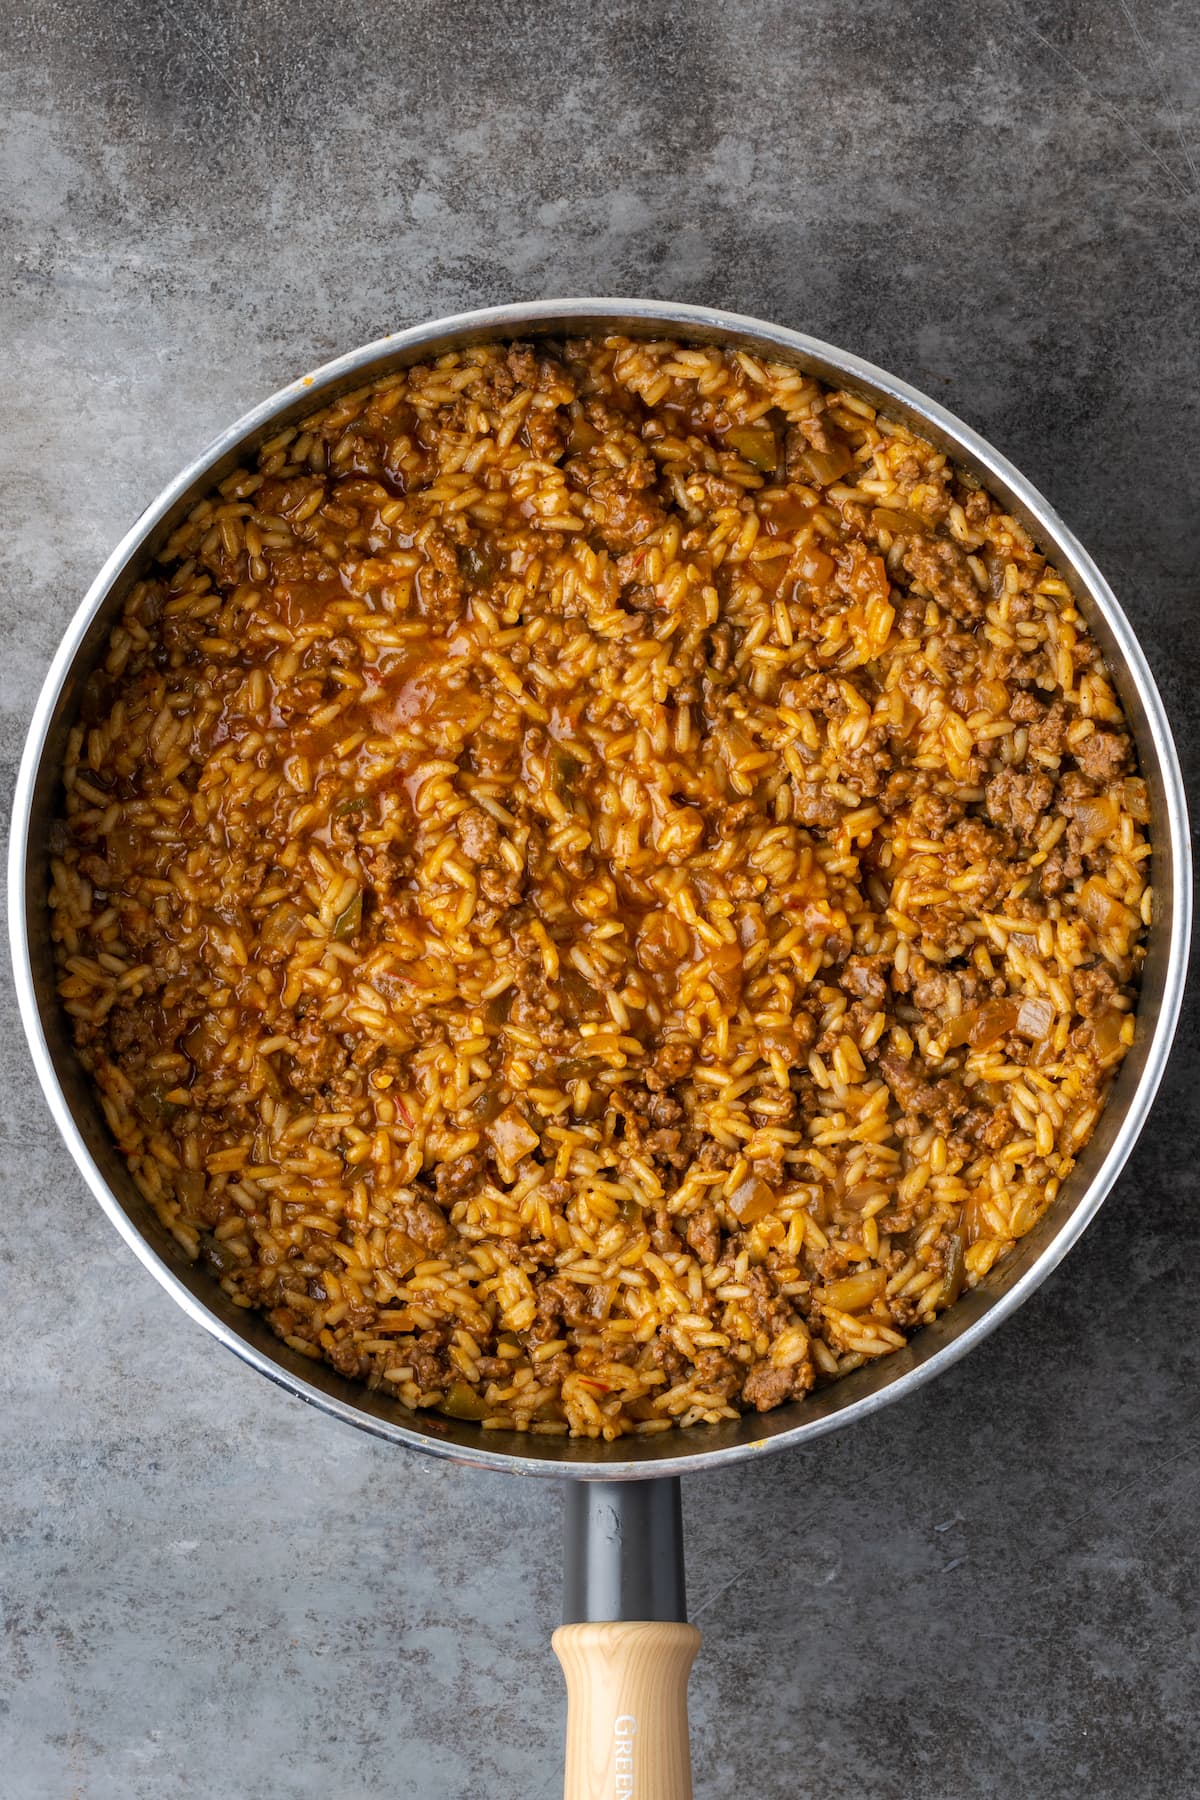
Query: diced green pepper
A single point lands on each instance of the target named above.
(348, 920)
(755, 444)
(462, 1402)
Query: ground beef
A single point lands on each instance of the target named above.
(1049, 734)
(666, 1356)
(820, 432)
(347, 1358)
(768, 1310)
(477, 833)
(551, 1300)
(932, 991)
(663, 1234)
(454, 1179)
(941, 567)
(865, 977)
(713, 1155)
(933, 813)
(429, 1366)
(986, 1127)
(1060, 869)
(987, 855)
(669, 1149)
(1095, 987)
(672, 1063)
(1025, 708)
(623, 506)
(766, 1387)
(939, 1102)
(703, 1233)
(424, 1222)
(812, 806)
(547, 434)
(718, 1373)
(662, 1110)
(1103, 755)
(903, 1077)
(501, 885)
(1020, 802)
(976, 505)
(522, 366)
(971, 842)
(317, 1057)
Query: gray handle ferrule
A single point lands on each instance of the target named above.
(624, 1552)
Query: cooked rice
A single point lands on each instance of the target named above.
(602, 884)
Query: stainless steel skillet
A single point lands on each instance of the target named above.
(625, 1649)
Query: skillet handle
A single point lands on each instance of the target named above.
(625, 1648)
(627, 1724)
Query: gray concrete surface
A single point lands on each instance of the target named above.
(990, 1591)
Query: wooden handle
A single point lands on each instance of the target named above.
(627, 1729)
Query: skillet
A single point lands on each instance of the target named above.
(625, 1646)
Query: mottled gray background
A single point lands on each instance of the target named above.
(208, 1591)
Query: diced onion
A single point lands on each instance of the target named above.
(854, 1292)
(752, 1199)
